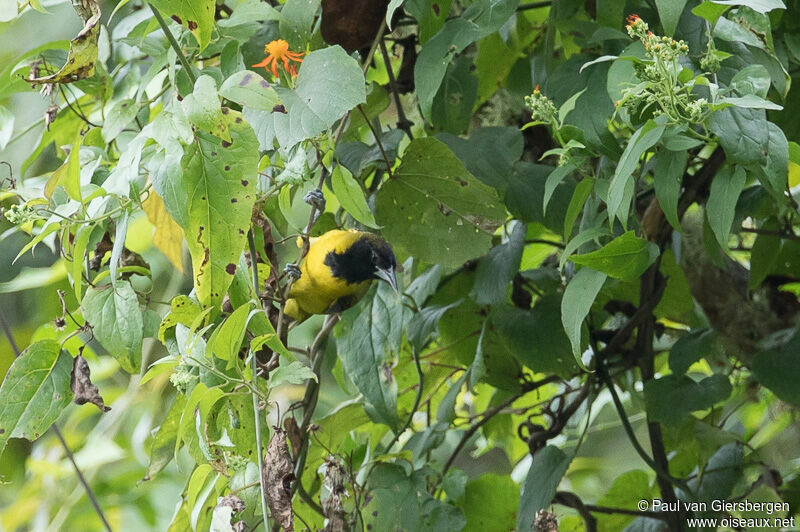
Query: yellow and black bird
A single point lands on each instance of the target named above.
(337, 271)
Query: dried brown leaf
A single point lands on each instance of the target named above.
(278, 475)
(82, 388)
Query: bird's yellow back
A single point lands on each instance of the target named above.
(317, 289)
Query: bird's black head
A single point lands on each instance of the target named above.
(370, 257)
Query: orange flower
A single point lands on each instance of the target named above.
(278, 50)
(633, 19)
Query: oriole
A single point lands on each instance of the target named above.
(337, 271)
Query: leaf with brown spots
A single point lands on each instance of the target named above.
(216, 226)
(195, 15)
(435, 210)
(34, 392)
(82, 49)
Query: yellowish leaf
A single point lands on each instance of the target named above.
(169, 235)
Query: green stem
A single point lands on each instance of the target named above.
(254, 375)
(174, 44)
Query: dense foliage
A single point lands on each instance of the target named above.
(595, 207)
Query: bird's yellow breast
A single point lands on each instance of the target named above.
(317, 289)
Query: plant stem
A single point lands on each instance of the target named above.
(377, 136)
(254, 377)
(402, 120)
(89, 493)
(173, 43)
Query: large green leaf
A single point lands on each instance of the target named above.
(642, 140)
(743, 133)
(490, 503)
(778, 369)
(117, 322)
(202, 108)
(721, 207)
(626, 257)
(227, 338)
(498, 267)
(329, 84)
(195, 15)
(34, 392)
(250, 89)
(667, 177)
(536, 337)
(220, 182)
(434, 209)
(669, 11)
(351, 196)
(546, 472)
(670, 399)
(477, 21)
(576, 304)
(163, 445)
(368, 337)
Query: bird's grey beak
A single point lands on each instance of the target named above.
(389, 276)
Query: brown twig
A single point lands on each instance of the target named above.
(402, 120)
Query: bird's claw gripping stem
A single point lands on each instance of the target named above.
(292, 270)
(316, 199)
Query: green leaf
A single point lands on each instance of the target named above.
(196, 15)
(669, 11)
(553, 180)
(667, 177)
(670, 399)
(451, 109)
(219, 179)
(118, 117)
(292, 373)
(164, 444)
(642, 140)
(764, 254)
(250, 89)
(762, 6)
(203, 109)
(116, 320)
(690, 348)
(569, 106)
(477, 21)
(498, 268)
(548, 468)
(489, 154)
(710, 11)
(626, 257)
(490, 503)
(576, 304)
(524, 195)
(82, 55)
(721, 206)
(329, 84)
(446, 412)
(394, 5)
(429, 18)
(752, 79)
(425, 322)
(536, 337)
(748, 101)
(351, 196)
(774, 172)
(434, 209)
(78, 259)
(367, 337)
(34, 391)
(579, 197)
(778, 369)
(297, 20)
(627, 490)
(743, 133)
(226, 341)
(6, 126)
